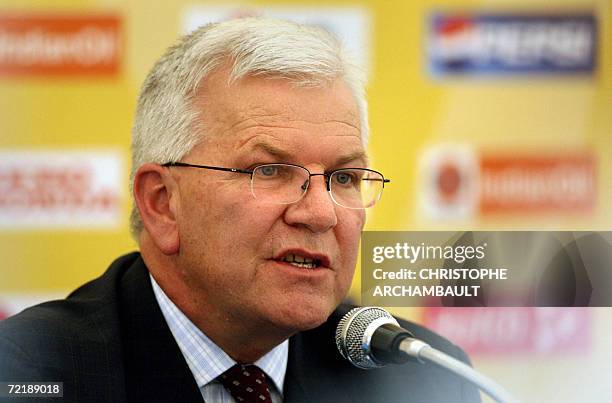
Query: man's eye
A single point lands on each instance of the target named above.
(344, 178)
(269, 171)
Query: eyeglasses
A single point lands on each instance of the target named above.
(354, 188)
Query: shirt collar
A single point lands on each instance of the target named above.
(205, 359)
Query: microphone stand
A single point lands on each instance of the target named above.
(424, 352)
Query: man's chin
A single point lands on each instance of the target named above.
(300, 317)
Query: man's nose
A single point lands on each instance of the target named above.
(315, 210)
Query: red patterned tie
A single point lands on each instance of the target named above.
(246, 383)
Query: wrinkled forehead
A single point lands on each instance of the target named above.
(250, 96)
(273, 114)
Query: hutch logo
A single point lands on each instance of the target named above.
(59, 45)
(60, 189)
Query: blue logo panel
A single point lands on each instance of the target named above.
(485, 44)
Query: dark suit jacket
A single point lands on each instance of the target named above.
(109, 342)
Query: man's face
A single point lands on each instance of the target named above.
(232, 244)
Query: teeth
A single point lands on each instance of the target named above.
(300, 261)
(304, 265)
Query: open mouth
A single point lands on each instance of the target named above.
(301, 261)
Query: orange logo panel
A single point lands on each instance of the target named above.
(537, 184)
(40, 45)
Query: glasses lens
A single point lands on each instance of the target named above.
(356, 188)
(279, 183)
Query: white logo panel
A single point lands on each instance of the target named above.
(49, 189)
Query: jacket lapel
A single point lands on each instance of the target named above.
(315, 370)
(155, 368)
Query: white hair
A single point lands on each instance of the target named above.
(165, 127)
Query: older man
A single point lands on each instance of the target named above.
(250, 181)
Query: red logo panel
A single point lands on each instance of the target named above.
(507, 331)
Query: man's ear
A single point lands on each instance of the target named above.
(156, 196)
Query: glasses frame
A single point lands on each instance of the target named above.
(326, 175)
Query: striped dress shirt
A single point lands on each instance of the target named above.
(207, 361)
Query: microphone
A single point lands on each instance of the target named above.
(370, 337)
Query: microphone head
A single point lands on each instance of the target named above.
(354, 335)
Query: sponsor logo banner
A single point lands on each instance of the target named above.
(537, 183)
(351, 24)
(485, 44)
(40, 189)
(457, 182)
(508, 331)
(40, 45)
